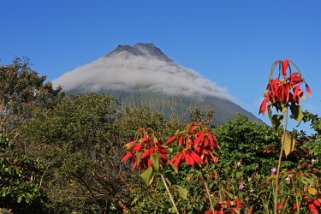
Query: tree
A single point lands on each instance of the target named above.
(22, 94)
(21, 91)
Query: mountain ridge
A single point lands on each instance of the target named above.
(141, 49)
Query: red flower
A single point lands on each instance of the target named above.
(238, 203)
(195, 146)
(281, 204)
(284, 92)
(313, 208)
(141, 149)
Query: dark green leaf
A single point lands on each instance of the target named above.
(277, 120)
(148, 175)
(297, 113)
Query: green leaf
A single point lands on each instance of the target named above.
(297, 113)
(183, 192)
(277, 120)
(148, 175)
(155, 157)
(270, 113)
(138, 155)
(238, 174)
(288, 144)
(19, 199)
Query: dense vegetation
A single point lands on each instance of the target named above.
(63, 154)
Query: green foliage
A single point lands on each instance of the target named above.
(19, 188)
(22, 91)
(76, 143)
(252, 144)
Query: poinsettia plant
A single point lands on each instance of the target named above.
(196, 145)
(283, 93)
(147, 152)
(150, 154)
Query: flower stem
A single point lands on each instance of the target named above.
(279, 164)
(169, 193)
(208, 194)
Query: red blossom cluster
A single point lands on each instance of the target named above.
(311, 195)
(195, 146)
(313, 204)
(140, 150)
(285, 91)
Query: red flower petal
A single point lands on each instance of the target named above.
(171, 140)
(135, 164)
(317, 203)
(285, 65)
(198, 140)
(163, 156)
(206, 142)
(180, 140)
(178, 160)
(313, 209)
(238, 203)
(189, 160)
(196, 157)
(147, 153)
(307, 88)
(295, 206)
(281, 204)
(263, 106)
(193, 128)
(126, 157)
(137, 147)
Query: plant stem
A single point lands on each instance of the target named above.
(208, 194)
(279, 164)
(296, 198)
(169, 193)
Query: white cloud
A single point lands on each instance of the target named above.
(124, 71)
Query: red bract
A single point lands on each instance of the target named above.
(285, 91)
(195, 146)
(313, 208)
(141, 149)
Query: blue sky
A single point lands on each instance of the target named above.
(233, 43)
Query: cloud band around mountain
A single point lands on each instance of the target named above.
(147, 68)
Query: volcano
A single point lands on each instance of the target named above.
(142, 74)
